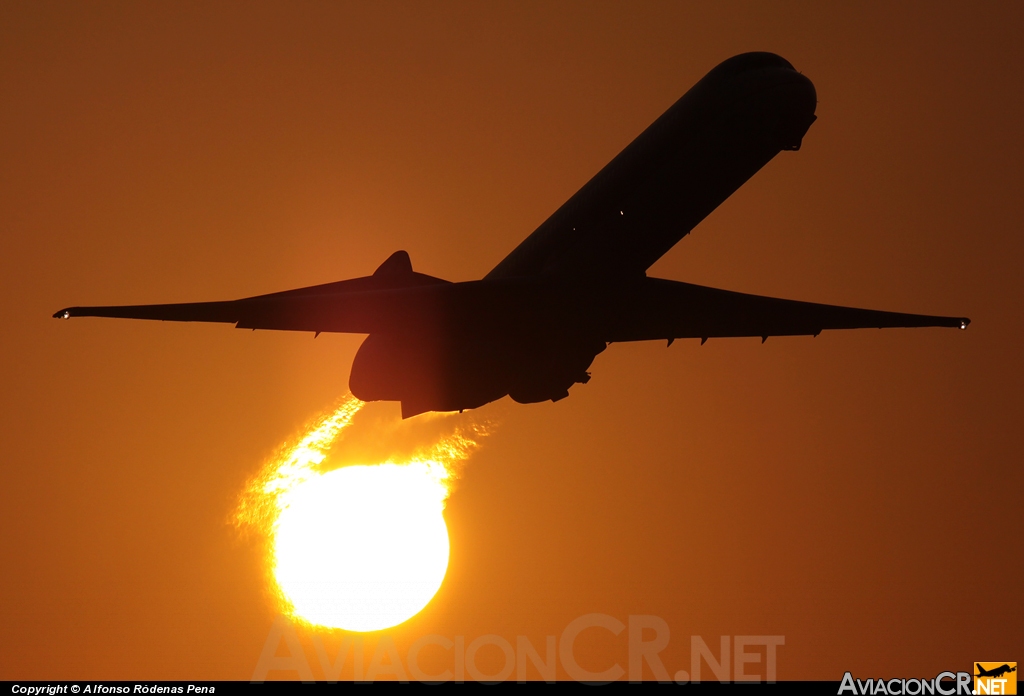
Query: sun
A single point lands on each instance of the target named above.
(358, 541)
(362, 548)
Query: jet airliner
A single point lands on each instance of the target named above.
(533, 325)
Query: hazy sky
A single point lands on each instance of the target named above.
(852, 492)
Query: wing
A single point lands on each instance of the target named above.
(297, 313)
(359, 305)
(718, 135)
(666, 309)
(342, 313)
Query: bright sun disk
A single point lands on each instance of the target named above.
(361, 547)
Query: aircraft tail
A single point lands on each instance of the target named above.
(398, 264)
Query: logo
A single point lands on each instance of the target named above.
(945, 684)
(995, 678)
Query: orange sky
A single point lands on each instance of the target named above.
(853, 493)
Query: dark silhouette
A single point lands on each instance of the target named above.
(995, 673)
(532, 326)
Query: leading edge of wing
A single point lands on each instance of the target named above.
(666, 309)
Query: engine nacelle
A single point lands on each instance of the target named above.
(425, 374)
(438, 373)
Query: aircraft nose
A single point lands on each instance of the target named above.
(746, 62)
(770, 92)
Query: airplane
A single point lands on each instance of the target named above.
(531, 328)
(995, 672)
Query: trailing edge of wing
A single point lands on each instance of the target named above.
(665, 309)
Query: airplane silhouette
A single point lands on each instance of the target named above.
(995, 672)
(531, 328)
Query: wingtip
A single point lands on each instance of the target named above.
(63, 314)
(964, 323)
